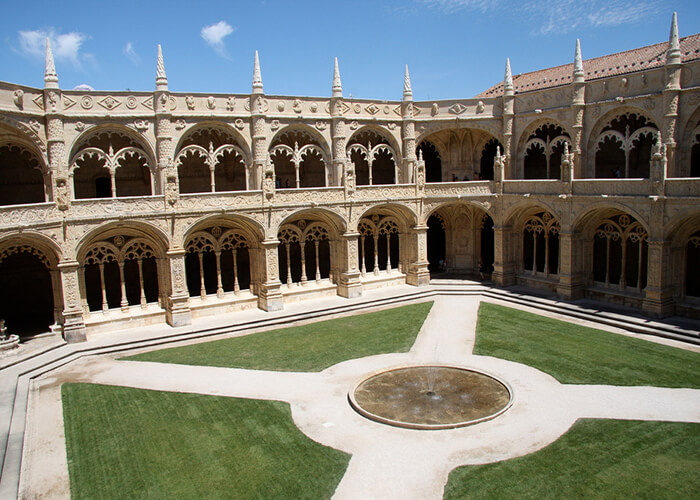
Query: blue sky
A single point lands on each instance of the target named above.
(454, 48)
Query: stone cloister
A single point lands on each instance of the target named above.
(122, 209)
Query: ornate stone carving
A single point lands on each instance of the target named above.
(19, 98)
(239, 124)
(180, 124)
(230, 103)
(189, 101)
(109, 103)
(211, 102)
(457, 108)
(296, 106)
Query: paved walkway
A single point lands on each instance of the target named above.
(386, 462)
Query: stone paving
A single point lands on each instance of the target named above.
(387, 462)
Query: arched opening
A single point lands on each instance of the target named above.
(541, 244)
(620, 253)
(692, 266)
(109, 164)
(304, 252)
(21, 177)
(210, 159)
(373, 157)
(487, 245)
(543, 152)
(379, 244)
(217, 262)
(119, 272)
(623, 148)
(298, 159)
(433, 164)
(488, 154)
(695, 153)
(436, 244)
(26, 293)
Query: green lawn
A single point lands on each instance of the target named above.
(596, 459)
(575, 354)
(308, 348)
(134, 443)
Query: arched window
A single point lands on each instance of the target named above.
(620, 253)
(695, 153)
(217, 261)
(379, 244)
(304, 252)
(374, 159)
(111, 164)
(211, 160)
(488, 154)
(433, 164)
(543, 151)
(120, 272)
(541, 244)
(623, 148)
(21, 176)
(299, 160)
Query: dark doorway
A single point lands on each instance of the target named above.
(436, 245)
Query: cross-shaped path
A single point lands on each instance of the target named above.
(387, 462)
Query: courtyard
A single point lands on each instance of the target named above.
(263, 412)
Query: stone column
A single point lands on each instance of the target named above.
(571, 285)
(178, 311)
(349, 284)
(164, 141)
(672, 94)
(73, 323)
(338, 128)
(269, 294)
(258, 108)
(658, 297)
(508, 122)
(578, 105)
(417, 273)
(503, 264)
(409, 133)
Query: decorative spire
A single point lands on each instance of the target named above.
(257, 77)
(50, 76)
(407, 92)
(337, 86)
(674, 47)
(508, 80)
(578, 63)
(161, 78)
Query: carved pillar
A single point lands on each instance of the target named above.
(508, 121)
(349, 284)
(177, 311)
(73, 322)
(571, 280)
(417, 273)
(578, 104)
(269, 294)
(409, 133)
(57, 189)
(338, 130)
(258, 108)
(503, 263)
(658, 297)
(166, 168)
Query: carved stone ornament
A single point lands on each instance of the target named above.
(109, 103)
(148, 102)
(386, 110)
(280, 106)
(39, 101)
(434, 109)
(211, 102)
(296, 106)
(79, 126)
(239, 124)
(354, 125)
(321, 125)
(480, 107)
(391, 125)
(19, 98)
(35, 125)
(62, 193)
(189, 101)
(131, 102)
(141, 125)
(180, 124)
(313, 107)
(274, 125)
(372, 109)
(86, 102)
(171, 190)
(457, 108)
(230, 103)
(357, 108)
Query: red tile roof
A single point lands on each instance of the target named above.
(643, 58)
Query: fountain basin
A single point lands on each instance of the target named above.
(430, 397)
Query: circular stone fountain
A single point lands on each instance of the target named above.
(430, 397)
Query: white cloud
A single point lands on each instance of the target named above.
(131, 54)
(214, 35)
(560, 16)
(65, 46)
